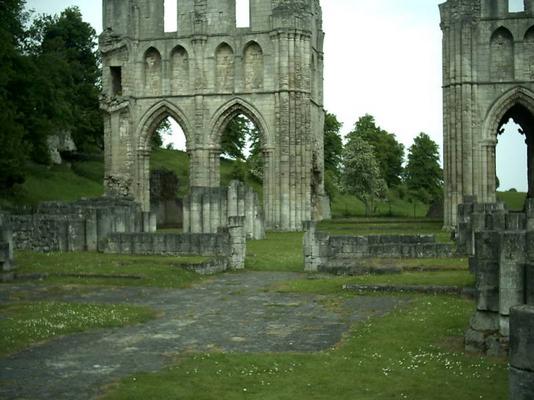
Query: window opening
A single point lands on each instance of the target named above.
(242, 13)
(512, 176)
(171, 15)
(516, 6)
(116, 81)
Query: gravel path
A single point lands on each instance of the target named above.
(231, 313)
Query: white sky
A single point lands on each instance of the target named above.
(382, 57)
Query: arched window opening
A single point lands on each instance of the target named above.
(502, 61)
(515, 169)
(171, 15)
(169, 173)
(152, 72)
(180, 70)
(224, 70)
(242, 13)
(241, 152)
(253, 61)
(515, 6)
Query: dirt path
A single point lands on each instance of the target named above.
(233, 312)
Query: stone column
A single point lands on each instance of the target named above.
(236, 229)
(522, 353)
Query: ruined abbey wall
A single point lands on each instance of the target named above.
(204, 75)
(488, 78)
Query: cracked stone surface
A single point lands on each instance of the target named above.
(231, 313)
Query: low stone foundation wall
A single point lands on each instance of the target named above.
(7, 264)
(501, 244)
(326, 253)
(522, 353)
(78, 226)
(229, 243)
(208, 209)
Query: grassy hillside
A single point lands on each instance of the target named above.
(84, 179)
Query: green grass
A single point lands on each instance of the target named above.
(334, 285)
(514, 200)
(279, 252)
(25, 324)
(165, 272)
(347, 206)
(413, 353)
(386, 226)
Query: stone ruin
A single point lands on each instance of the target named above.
(500, 244)
(164, 201)
(344, 254)
(206, 210)
(488, 78)
(205, 74)
(77, 226)
(7, 263)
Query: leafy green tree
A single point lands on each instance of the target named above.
(388, 152)
(12, 148)
(333, 144)
(240, 133)
(423, 174)
(63, 48)
(361, 173)
(164, 129)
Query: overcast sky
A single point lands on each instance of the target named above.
(382, 57)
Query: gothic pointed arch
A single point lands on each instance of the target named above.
(152, 71)
(230, 110)
(154, 116)
(498, 112)
(253, 66)
(502, 54)
(224, 67)
(180, 68)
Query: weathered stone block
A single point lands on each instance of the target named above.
(521, 384)
(522, 338)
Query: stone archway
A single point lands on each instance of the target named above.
(518, 105)
(149, 123)
(487, 64)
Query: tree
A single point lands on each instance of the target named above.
(12, 149)
(361, 173)
(333, 144)
(63, 48)
(423, 174)
(164, 129)
(388, 152)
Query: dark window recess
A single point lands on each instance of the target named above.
(116, 81)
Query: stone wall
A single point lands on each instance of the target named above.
(522, 353)
(205, 74)
(208, 209)
(78, 226)
(229, 243)
(7, 264)
(501, 245)
(323, 252)
(488, 78)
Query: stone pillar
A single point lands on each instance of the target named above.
(315, 244)
(482, 335)
(6, 254)
(511, 276)
(236, 229)
(522, 353)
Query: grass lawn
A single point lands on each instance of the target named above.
(105, 269)
(281, 251)
(386, 226)
(333, 285)
(413, 353)
(25, 324)
(514, 200)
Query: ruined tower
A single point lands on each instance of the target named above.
(205, 74)
(488, 78)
